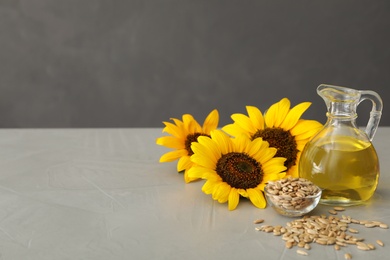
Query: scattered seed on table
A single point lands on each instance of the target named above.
(289, 244)
(379, 242)
(301, 252)
(323, 230)
(355, 221)
(352, 230)
(333, 212)
(339, 208)
(383, 225)
(370, 225)
(363, 248)
(258, 221)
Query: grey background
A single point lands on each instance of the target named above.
(136, 63)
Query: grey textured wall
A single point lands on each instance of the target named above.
(136, 63)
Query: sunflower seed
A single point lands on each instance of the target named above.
(258, 221)
(341, 243)
(339, 208)
(347, 256)
(364, 248)
(379, 242)
(289, 244)
(301, 252)
(269, 229)
(355, 221)
(383, 225)
(370, 225)
(352, 230)
(361, 244)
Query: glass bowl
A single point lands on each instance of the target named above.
(291, 204)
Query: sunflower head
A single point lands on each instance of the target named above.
(281, 126)
(235, 168)
(181, 134)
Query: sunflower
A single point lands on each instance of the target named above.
(235, 167)
(182, 134)
(281, 127)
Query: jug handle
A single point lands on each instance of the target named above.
(376, 111)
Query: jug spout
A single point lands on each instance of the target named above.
(342, 102)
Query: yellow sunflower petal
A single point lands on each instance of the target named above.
(223, 141)
(211, 122)
(233, 199)
(294, 115)
(170, 142)
(305, 129)
(188, 178)
(213, 148)
(178, 123)
(293, 171)
(173, 129)
(276, 113)
(256, 117)
(208, 186)
(184, 163)
(265, 154)
(272, 177)
(255, 147)
(221, 192)
(202, 160)
(211, 175)
(275, 165)
(173, 155)
(241, 143)
(244, 122)
(243, 193)
(257, 198)
(202, 156)
(224, 192)
(301, 143)
(200, 172)
(234, 130)
(191, 124)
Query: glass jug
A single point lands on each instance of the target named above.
(341, 159)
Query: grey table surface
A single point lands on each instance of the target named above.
(102, 194)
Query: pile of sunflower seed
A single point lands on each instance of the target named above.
(323, 230)
(291, 193)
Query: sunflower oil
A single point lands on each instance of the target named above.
(346, 168)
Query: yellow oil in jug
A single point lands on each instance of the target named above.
(346, 169)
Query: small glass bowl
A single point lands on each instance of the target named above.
(298, 206)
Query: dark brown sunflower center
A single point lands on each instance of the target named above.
(281, 140)
(239, 170)
(192, 138)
